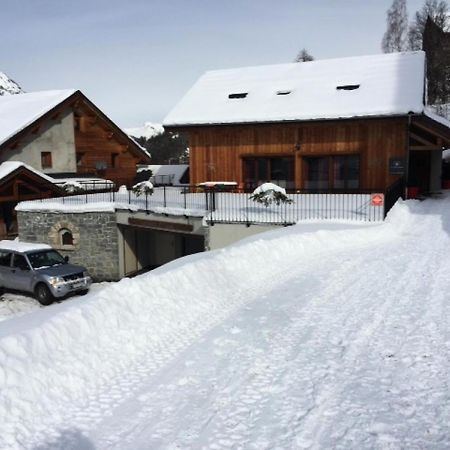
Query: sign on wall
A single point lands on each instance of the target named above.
(377, 200)
(396, 166)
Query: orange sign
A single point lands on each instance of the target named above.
(377, 199)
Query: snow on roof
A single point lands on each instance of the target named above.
(8, 167)
(19, 111)
(22, 246)
(171, 170)
(378, 85)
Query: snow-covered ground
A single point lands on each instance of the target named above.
(298, 338)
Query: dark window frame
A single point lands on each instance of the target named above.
(331, 160)
(46, 160)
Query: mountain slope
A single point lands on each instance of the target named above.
(296, 338)
(8, 86)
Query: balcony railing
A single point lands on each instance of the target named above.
(219, 206)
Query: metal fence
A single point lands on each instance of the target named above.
(236, 206)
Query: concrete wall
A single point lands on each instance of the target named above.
(222, 234)
(57, 137)
(95, 238)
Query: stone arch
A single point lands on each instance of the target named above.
(64, 235)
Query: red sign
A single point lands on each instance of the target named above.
(377, 199)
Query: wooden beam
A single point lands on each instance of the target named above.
(425, 147)
(421, 139)
(431, 130)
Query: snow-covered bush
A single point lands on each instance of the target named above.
(123, 189)
(72, 186)
(269, 193)
(143, 188)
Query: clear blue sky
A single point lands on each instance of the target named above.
(136, 58)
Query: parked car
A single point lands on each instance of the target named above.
(39, 269)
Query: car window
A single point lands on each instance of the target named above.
(5, 258)
(45, 258)
(20, 262)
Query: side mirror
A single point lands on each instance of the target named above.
(66, 258)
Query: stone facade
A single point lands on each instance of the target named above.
(95, 238)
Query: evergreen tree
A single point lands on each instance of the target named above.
(167, 148)
(438, 11)
(395, 37)
(304, 56)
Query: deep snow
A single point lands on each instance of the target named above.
(298, 338)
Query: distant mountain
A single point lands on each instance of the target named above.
(147, 131)
(8, 86)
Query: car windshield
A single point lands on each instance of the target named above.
(45, 258)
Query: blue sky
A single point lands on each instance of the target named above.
(136, 58)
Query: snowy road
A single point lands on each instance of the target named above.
(334, 339)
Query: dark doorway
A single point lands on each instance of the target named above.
(419, 170)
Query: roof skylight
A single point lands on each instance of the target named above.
(284, 92)
(348, 87)
(238, 95)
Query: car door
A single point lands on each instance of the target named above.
(5, 268)
(21, 273)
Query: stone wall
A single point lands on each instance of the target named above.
(95, 238)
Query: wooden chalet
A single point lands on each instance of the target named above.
(19, 182)
(62, 133)
(348, 124)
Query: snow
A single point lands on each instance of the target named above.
(389, 84)
(147, 131)
(167, 173)
(19, 111)
(298, 338)
(20, 246)
(269, 187)
(8, 86)
(8, 167)
(229, 207)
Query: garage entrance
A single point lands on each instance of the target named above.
(146, 249)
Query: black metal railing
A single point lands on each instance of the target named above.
(233, 205)
(393, 193)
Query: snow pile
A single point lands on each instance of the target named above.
(269, 193)
(293, 339)
(8, 86)
(148, 131)
(72, 186)
(143, 188)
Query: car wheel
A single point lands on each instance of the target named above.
(43, 294)
(83, 292)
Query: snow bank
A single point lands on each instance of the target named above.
(59, 364)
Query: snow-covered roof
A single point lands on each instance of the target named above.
(8, 167)
(175, 171)
(363, 86)
(22, 246)
(19, 111)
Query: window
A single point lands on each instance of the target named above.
(66, 237)
(332, 172)
(114, 159)
(279, 170)
(46, 160)
(5, 258)
(20, 262)
(285, 92)
(45, 258)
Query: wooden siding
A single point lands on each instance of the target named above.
(216, 152)
(96, 143)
